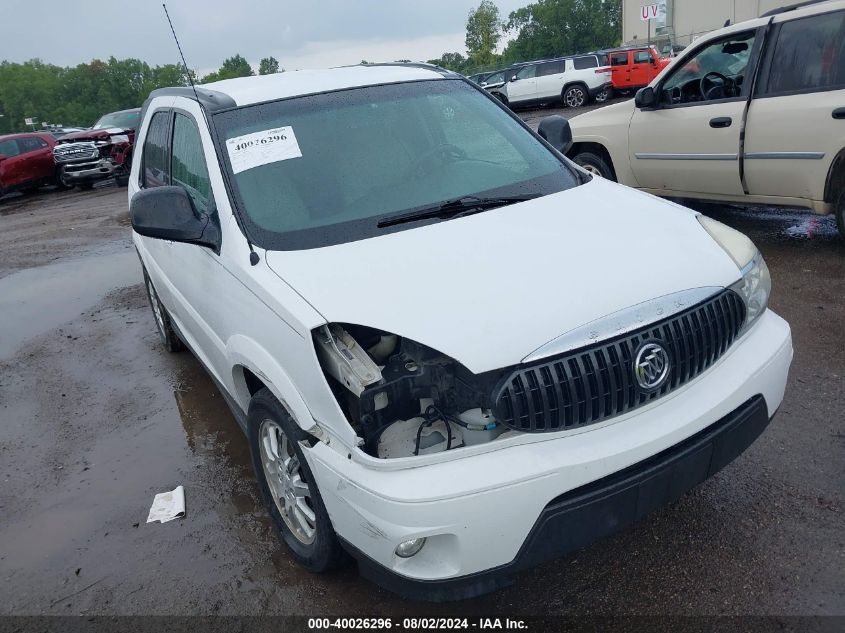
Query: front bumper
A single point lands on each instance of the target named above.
(89, 170)
(488, 515)
(584, 515)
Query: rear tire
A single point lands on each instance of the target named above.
(603, 96)
(575, 96)
(293, 499)
(594, 164)
(169, 338)
(839, 211)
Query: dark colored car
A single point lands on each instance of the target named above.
(26, 162)
(101, 152)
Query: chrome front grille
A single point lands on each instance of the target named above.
(598, 382)
(71, 152)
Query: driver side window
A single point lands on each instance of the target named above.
(716, 71)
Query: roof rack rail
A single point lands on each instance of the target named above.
(425, 65)
(791, 7)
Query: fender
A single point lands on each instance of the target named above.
(246, 352)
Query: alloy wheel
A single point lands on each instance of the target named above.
(575, 97)
(283, 474)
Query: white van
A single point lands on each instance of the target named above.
(444, 364)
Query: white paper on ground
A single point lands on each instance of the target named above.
(168, 506)
(261, 148)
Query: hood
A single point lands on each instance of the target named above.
(491, 288)
(94, 135)
(615, 114)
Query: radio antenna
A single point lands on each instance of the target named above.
(253, 256)
(181, 54)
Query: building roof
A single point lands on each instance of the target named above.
(248, 90)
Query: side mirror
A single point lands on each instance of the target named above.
(513, 78)
(167, 213)
(556, 131)
(645, 98)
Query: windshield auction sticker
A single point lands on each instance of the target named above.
(262, 148)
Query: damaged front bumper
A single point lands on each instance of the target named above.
(89, 171)
(486, 516)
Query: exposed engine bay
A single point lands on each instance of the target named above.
(403, 398)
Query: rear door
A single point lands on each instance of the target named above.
(550, 79)
(522, 84)
(36, 159)
(690, 142)
(796, 122)
(620, 70)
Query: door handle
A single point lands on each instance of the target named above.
(722, 121)
(839, 113)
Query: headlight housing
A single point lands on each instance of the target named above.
(756, 283)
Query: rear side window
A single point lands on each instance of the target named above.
(619, 59)
(9, 148)
(155, 151)
(809, 54)
(604, 60)
(188, 168)
(642, 57)
(581, 63)
(30, 144)
(550, 68)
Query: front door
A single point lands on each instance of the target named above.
(689, 143)
(796, 123)
(522, 84)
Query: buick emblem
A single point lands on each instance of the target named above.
(651, 365)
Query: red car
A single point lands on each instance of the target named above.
(26, 161)
(104, 151)
(635, 67)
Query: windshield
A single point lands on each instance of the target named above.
(325, 169)
(118, 119)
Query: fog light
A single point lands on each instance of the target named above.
(406, 549)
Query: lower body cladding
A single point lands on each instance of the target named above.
(533, 498)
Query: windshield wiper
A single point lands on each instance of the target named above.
(459, 207)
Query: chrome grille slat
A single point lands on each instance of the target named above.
(595, 383)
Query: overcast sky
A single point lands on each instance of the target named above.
(302, 34)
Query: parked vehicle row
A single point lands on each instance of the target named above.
(67, 157)
(368, 261)
(752, 113)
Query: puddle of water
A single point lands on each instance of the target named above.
(37, 300)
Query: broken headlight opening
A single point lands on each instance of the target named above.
(403, 398)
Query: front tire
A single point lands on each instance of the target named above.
(169, 338)
(575, 97)
(287, 485)
(594, 164)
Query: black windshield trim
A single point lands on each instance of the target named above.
(336, 234)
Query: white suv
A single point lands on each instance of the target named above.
(444, 366)
(753, 113)
(574, 81)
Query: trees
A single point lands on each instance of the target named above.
(77, 95)
(451, 61)
(232, 67)
(548, 28)
(484, 30)
(269, 66)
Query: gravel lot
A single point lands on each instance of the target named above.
(97, 418)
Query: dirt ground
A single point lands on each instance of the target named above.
(95, 418)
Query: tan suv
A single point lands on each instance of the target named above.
(751, 113)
